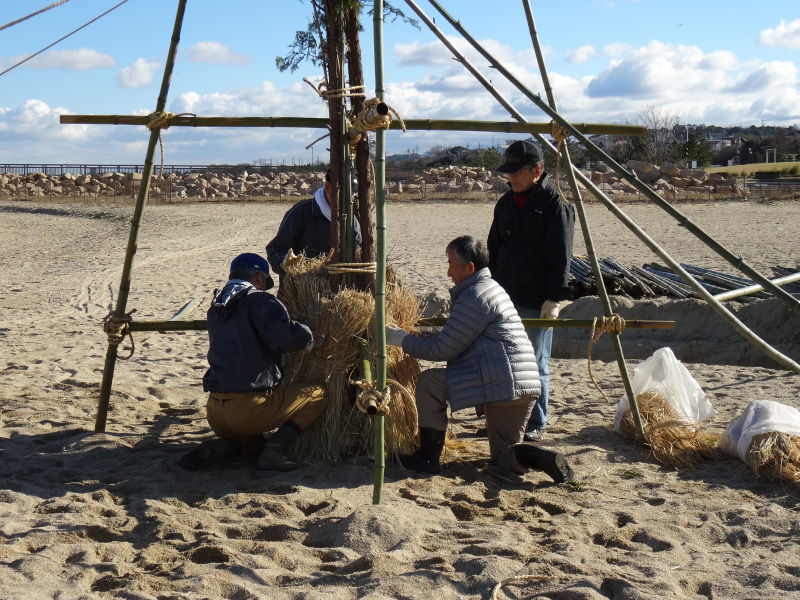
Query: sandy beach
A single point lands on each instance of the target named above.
(111, 515)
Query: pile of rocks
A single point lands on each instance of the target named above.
(431, 183)
(668, 178)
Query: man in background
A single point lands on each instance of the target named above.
(530, 250)
(306, 227)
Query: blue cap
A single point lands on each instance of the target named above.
(254, 261)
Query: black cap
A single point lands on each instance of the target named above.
(520, 154)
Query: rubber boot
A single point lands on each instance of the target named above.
(553, 463)
(273, 456)
(208, 452)
(426, 459)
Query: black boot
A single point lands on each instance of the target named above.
(426, 459)
(273, 456)
(553, 463)
(208, 452)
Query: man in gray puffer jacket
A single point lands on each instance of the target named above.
(490, 363)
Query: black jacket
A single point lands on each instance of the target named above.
(530, 249)
(248, 331)
(303, 229)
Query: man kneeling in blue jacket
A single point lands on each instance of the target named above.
(490, 363)
(248, 332)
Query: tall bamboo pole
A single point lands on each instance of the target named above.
(141, 201)
(587, 235)
(682, 219)
(701, 291)
(366, 187)
(380, 274)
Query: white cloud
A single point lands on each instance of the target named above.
(616, 49)
(83, 59)
(138, 74)
(582, 54)
(430, 54)
(266, 99)
(216, 53)
(785, 35)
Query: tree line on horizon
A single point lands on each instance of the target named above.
(669, 140)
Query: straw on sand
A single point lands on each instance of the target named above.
(674, 442)
(775, 456)
(339, 321)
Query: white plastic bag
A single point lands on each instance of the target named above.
(760, 416)
(664, 374)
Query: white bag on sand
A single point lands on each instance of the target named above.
(664, 374)
(760, 416)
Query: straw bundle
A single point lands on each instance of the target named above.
(339, 321)
(674, 442)
(775, 456)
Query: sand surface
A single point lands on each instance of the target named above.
(87, 515)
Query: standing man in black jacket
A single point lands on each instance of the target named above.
(530, 249)
(248, 331)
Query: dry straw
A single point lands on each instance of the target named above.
(674, 442)
(775, 456)
(339, 321)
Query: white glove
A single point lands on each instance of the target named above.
(289, 260)
(551, 309)
(310, 345)
(395, 336)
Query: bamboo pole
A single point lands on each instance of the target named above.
(702, 292)
(683, 220)
(380, 274)
(201, 324)
(756, 288)
(321, 123)
(141, 201)
(365, 365)
(587, 235)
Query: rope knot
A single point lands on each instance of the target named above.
(117, 328)
(370, 399)
(614, 324)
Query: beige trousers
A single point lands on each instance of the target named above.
(243, 417)
(505, 421)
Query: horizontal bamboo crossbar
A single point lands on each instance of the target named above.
(322, 123)
(200, 325)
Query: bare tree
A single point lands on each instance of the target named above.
(659, 146)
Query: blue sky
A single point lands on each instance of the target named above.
(721, 63)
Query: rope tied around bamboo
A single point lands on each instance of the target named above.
(345, 92)
(344, 268)
(560, 135)
(118, 328)
(371, 400)
(614, 324)
(372, 118)
(161, 120)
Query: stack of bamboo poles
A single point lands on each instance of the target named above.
(654, 279)
(339, 322)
